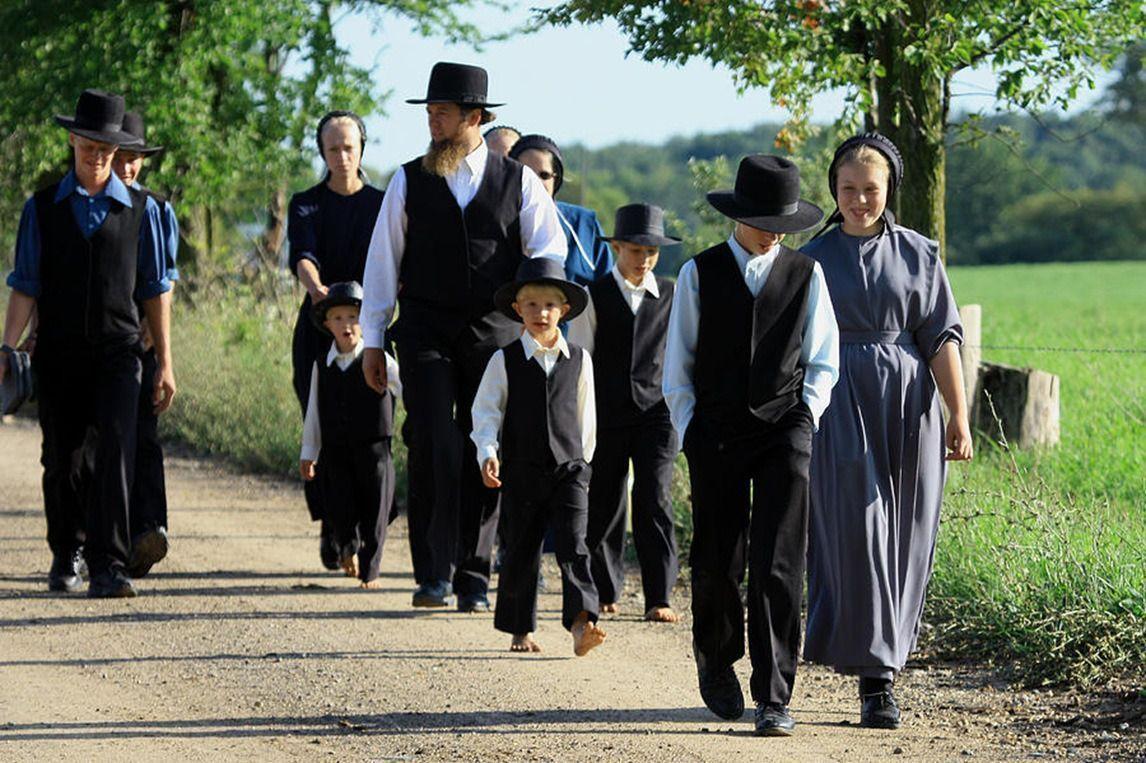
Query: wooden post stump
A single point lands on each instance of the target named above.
(1025, 400)
(971, 353)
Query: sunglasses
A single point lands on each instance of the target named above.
(546, 175)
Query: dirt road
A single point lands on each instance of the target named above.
(240, 647)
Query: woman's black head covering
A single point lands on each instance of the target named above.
(880, 143)
(542, 143)
(340, 114)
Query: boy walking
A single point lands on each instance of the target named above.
(350, 425)
(624, 327)
(753, 352)
(535, 430)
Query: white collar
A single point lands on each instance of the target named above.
(743, 256)
(531, 345)
(334, 354)
(648, 283)
(476, 159)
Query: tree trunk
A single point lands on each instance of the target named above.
(271, 242)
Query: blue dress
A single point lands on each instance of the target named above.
(589, 256)
(878, 467)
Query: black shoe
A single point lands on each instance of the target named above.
(473, 602)
(879, 711)
(434, 595)
(110, 585)
(773, 720)
(328, 550)
(147, 549)
(66, 572)
(721, 692)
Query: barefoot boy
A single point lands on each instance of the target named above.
(535, 407)
(351, 425)
(624, 328)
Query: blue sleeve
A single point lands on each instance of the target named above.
(170, 242)
(302, 237)
(25, 275)
(602, 252)
(151, 272)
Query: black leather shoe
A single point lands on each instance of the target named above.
(66, 572)
(721, 692)
(474, 602)
(328, 550)
(147, 549)
(879, 711)
(434, 595)
(110, 585)
(773, 720)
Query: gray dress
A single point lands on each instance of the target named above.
(877, 461)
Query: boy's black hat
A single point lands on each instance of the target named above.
(462, 84)
(767, 196)
(133, 125)
(99, 116)
(341, 293)
(541, 143)
(641, 224)
(543, 271)
(18, 383)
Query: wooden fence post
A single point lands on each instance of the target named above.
(971, 353)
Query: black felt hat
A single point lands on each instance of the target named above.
(133, 125)
(641, 224)
(462, 84)
(339, 294)
(767, 196)
(543, 271)
(541, 143)
(18, 382)
(99, 116)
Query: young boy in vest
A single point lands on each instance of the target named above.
(751, 358)
(624, 327)
(350, 425)
(535, 428)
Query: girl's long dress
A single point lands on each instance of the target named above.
(878, 459)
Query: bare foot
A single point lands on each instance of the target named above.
(662, 615)
(586, 635)
(350, 565)
(371, 584)
(610, 609)
(523, 642)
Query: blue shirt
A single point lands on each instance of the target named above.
(170, 237)
(589, 255)
(152, 278)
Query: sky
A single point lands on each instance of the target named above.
(575, 85)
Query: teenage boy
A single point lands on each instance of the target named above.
(752, 355)
(624, 328)
(535, 431)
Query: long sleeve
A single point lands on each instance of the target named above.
(383, 262)
(152, 274)
(488, 409)
(587, 408)
(541, 231)
(820, 351)
(25, 275)
(583, 328)
(680, 349)
(171, 241)
(302, 238)
(311, 426)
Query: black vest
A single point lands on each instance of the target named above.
(87, 295)
(748, 368)
(350, 413)
(628, 350)
(540, 425)
(456, 260)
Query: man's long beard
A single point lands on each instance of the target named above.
(444, 157)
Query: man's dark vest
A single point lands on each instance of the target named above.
(541, 425)
(628, 350)
(350, 413)
(454, 260)
(88, 284)
(748, 368)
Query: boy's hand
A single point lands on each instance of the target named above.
(374, 369)
(489, 472)
(164, 388)
(306, 469)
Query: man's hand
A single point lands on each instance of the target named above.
(164, 388)
(306, 469)
(489, 472)
(374, 368)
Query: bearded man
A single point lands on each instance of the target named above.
(453, 227)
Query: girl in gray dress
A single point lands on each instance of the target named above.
(878, 460)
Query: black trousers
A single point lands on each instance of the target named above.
(651, 445)
(534, 499)
(358, 492)
(750, 506)
(80, 389)
(306, 344)
(149, 489)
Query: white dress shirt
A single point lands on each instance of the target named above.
(541, 235)
(311, 425)
(489, 402)
(583, 328)
(820, 351)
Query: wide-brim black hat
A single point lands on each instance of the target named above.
(542, 271)
(99, 116)
(339, 294)
(767, 196)
(462, 84)
(133, 125)
(18, 383)
(641, 224)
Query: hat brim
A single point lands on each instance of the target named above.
(463, 104)
(645, 239)
(318, 312)
(119, 138)
(144, 150)
(806, 216)
(575, 295)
